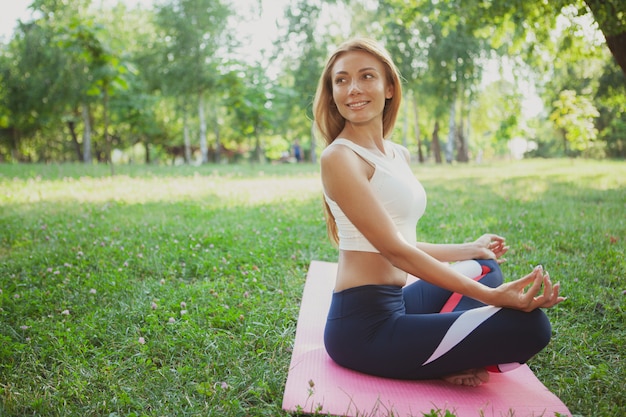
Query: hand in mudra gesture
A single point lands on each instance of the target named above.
(491, 246)
(535, 290)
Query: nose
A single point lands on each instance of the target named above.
(354, 87)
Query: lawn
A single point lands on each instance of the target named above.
(174, 291)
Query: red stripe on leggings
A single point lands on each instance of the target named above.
(455, 298)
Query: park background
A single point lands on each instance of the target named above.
(202, 81)
(155, 230)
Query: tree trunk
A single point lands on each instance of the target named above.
(617, 46)
(405, 125)
(313, 144)
(72, 127)
(436, 144)
(218, 140)
(605, 14)
(461, 154)
(86, 135)
(461, 140)
(565, 142)
(451, 133)
(204, 150)
(418, 133)
(468, 133)
(146, 145)
(186, 138)
(258, 151)
(107, 138)
(15, 154)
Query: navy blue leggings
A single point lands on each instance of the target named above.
(401, 333)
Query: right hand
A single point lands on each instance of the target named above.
(518, 295)
(491, 246)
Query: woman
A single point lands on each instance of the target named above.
(376, 324)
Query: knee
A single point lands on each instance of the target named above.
(543, 328)
(490, 264)
(493, 274)
(528, 333)
(537, 330)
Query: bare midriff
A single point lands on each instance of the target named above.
(366, 268)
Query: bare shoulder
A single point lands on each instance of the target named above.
(404, 152)
(337, 154)
(342, 170)
(334, 149)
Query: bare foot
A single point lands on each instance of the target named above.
(470, 378)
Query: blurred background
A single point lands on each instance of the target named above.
(218, 81)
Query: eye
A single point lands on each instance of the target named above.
(368, 76)
(340, 80)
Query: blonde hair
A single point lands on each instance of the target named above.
(330, 122)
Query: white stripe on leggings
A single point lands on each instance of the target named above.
(465, 324)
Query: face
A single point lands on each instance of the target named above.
(360, 87)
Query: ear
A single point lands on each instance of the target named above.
(389, 91)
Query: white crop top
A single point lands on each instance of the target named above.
(396, 187)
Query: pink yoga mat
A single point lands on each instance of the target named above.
(316, 384)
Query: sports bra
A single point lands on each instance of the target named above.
(395, 185)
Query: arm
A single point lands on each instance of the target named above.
(488, 246)
(345, 178)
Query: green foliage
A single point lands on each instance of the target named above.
(192, 32)
(574, 116)
(83, 76)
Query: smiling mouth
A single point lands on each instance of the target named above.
(357, 105)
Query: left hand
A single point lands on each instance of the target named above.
(535, 290)
(490, 246)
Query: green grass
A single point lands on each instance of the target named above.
(175, 291)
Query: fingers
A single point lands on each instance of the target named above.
(495, 237)
(544, 299)
(533, 291)
(530, 298)
(550, 296)
(497, 246)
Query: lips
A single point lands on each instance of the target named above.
(357, 105)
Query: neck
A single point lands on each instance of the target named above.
(366, 136)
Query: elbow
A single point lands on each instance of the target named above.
(399, 255)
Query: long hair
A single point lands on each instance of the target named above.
(330, 122)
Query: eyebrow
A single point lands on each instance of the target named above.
(361, 70)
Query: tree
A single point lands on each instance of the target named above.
(304, 34)
(250, 105)
(409, 48)
(453, 44)
(574, 116)
(611, 18)
(47, 81)
(610, 100)
(105, 68)
(193, 31)
(535, 19)
(495, 117)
